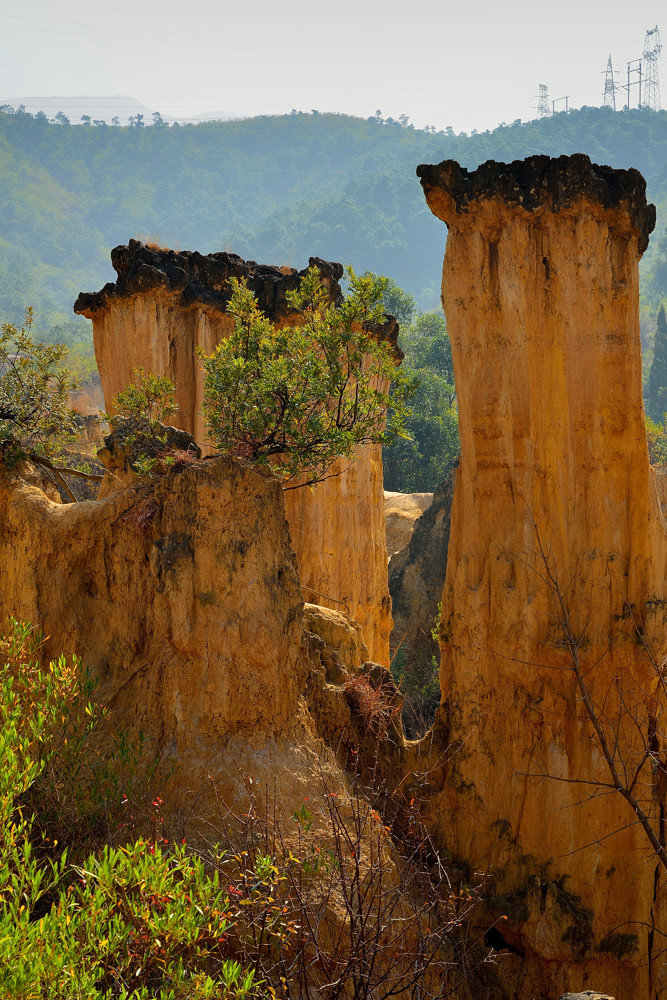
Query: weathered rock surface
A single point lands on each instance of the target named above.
(417, 576)
(127, 441)
(167, 305)
(401, 510)
(338, 634)
(540, 291)
(82, 403)
(183, 600)
(586, 995)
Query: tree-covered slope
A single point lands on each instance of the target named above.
(276, 189)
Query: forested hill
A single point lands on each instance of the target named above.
(275, 189)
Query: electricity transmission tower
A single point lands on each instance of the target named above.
(652, 50)
(543, 109)
(610, 87)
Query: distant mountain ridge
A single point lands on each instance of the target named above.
(273, 189)
(104, 108)
(100, 108)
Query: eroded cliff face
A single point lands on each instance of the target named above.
(183, 600)
(163, 308)
(401, 511)
(417, 576)
(540, 291)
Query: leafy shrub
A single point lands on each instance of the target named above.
(146, 920)
(298, 397)
(35, 417)
(87, 784)
(140, 412)
(148, 400)
(657, 440)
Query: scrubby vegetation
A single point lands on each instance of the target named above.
(35, 417)
(296, 398)
(97, 900)
(419, 460)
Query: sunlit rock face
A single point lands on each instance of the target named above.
(540, 292)
(166, 306)
(183, 600)
(416, 578)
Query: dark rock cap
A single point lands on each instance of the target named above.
(544, 182)
(204, 280)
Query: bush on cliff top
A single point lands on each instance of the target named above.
(297, 398)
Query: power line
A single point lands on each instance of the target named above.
(634, 69)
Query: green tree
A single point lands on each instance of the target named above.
(428, 346)
(397, 302)
(656, 402)
(423, 459)
(36, 420)
(418, 462)
(295, 399)
(35, 416)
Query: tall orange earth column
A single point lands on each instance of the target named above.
(540, 291)
(166, 306)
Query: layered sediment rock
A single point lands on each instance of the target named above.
(417, 576)
(183, 600)
(540, 291)
(401, 511)
(164, 308)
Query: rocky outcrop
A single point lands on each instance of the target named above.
(586, 995)
(164, 308)
(417, 576)
(540, 291)
(183, 600)
(82, 403)
(401, 510)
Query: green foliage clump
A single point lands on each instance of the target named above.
(140, 412)
(146, 920)
(297, 398)
(419, 462)
(35, 416)
(148, 400)
(657, 440)
(656, 396)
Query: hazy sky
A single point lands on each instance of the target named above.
(469, 65)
